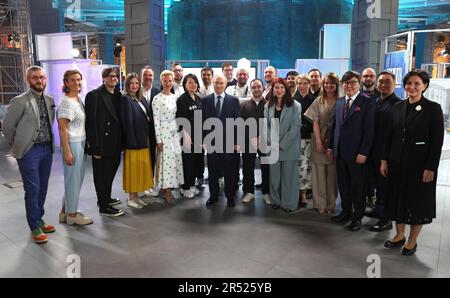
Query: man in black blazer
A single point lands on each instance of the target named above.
(104, 138)
(221, 106)
(387, 99)
(149, 93)
(350, 143)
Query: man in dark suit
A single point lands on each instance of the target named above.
(104, 138)
(350, 143)
(369, 80)
(149, 93)
(221, 106)
(386, 87)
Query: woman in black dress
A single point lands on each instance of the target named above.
(410, 161)
(187, 105)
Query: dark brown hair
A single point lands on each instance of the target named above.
(287, 99)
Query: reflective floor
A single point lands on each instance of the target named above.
(188, 240)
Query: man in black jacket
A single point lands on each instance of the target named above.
(386, 87)
(104, 138)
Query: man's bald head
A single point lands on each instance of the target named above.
(220, 83)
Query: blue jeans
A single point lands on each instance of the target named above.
(73, 177)
(35, 169)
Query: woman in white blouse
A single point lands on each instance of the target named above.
(169, 164)
(71, 118)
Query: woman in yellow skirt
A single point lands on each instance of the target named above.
(136, 117)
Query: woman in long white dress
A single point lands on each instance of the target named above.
(169, 162)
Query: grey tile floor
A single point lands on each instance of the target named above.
(188, 240)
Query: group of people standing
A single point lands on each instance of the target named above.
(365, 142)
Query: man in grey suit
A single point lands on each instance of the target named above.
(28, 128)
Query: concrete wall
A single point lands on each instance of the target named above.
(369, 27)
(144, 35)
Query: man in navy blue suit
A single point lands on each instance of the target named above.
(350, 143)
(221, 106)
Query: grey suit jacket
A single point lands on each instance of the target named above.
(288, 136)
(21, 124)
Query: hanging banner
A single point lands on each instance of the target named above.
(397, 63)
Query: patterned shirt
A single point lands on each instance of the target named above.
(45, 133)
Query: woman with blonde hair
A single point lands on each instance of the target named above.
(135, 116)
(321, 112)
(71, 126)
(169, 164)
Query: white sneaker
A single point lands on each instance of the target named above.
(153, 200)
(143, 194)
(248, 198)
(266, 199)
(195, 190)
(222, 183)
(134, 204)
(79, 220)
(141, 202)
(153, 192)
(188, 194)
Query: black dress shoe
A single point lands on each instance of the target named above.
(355, 225)
(231, 204)
(275, 206)
(341, 218)
(392, 244)
(381, 225)
(409, 252)
(211, 202)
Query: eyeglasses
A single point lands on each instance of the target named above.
(112, 76)
(351, 83)
(177, 70)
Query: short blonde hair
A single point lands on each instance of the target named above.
(304, 77)
(166, 73)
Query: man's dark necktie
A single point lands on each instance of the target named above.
(346, 107)
(218, 105)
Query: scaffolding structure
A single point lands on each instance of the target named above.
(16, 52)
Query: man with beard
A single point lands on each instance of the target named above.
(369, 78)
(207, 76)
(291, 80)
(241, 90)
(177, 80)
(28, 128)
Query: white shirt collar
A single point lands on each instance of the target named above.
(222, 95)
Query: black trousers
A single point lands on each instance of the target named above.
(371, 177)
(104, 170)
(222, 163)
(192, 164)
(248, 171)
(381, 188)
(200, 170)
(352, 182)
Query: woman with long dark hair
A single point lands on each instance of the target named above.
(282, 133)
